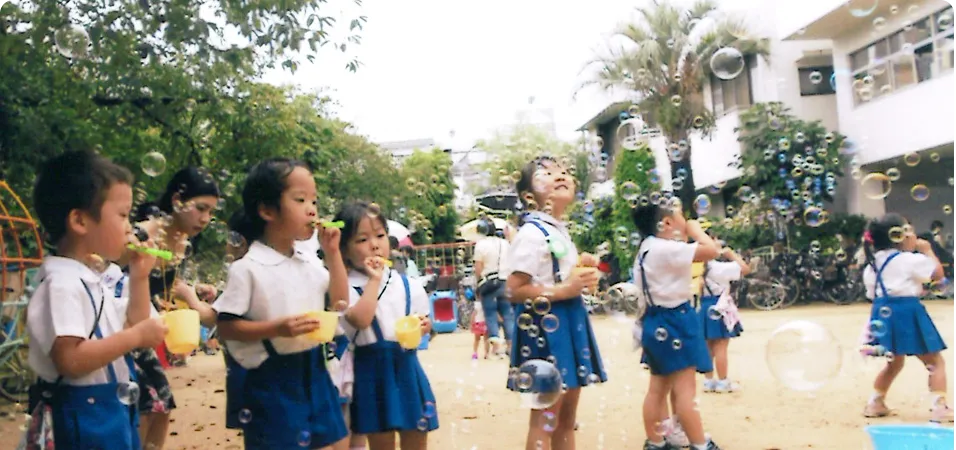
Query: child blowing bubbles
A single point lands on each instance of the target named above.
(674, 345)
(539, 273)
(287, 398)
(899, 323)
(78, 339)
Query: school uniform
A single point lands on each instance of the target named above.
(87, 412)
(391, 390)
(283, 391)
(671, 331)
(542, 248)
(895, 288)
(716, 278)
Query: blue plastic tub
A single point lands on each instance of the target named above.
(911, 437)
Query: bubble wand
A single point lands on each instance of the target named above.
(161, 254)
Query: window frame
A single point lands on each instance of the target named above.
(805, 72)
(719, 90)
(875, 62)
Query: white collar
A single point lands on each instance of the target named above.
(547, 218)
(357, 278)
(265, 255)
(68, 267)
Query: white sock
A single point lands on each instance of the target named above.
(700, 446)
(876, 396)
(657, 444)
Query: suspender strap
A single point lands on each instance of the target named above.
(555, 267)
(879, 274)
(99, 335)
(644, 286)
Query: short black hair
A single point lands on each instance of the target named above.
(525, 183)
(646, 217)
(392, 241)
(264, 187)
(879, 235)
(936, 224)
(351, 215)
(74, 180)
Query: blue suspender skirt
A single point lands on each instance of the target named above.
(391, 391)
(901, 324)
(288, 402)
(87, 417)
(713, 324)
(571, 346)
(672, 338)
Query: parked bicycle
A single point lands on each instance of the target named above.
(782, 279)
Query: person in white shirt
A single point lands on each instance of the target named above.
(80, 337)
(674, 347)
(899, 324)
(265, 314)
(716, 284)
(490, 251)
(391, 393)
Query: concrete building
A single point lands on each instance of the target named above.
(908, 53)
(403, 149)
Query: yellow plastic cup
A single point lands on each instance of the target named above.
(183, 336)
(328, 321)
(408, 331)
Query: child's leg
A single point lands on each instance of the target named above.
(342, 444)
(655, 407)
(563, 436)
(536, 429)
(153, 429)
(886, 376)
(937, 377)
(484, 337)
(413, 440)
(357, 441)
(381, 441)
(685, 389)
(711, 348)
(474, 346)
(718, 348)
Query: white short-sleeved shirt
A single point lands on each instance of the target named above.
(530, 252)
(667, 265)
(903, 276)
(266, 285)
(719, 276)
(117, 282)
(492, 251)
(391, 304)
(61, 307)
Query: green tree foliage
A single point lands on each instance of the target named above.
(427, 204)
(794, 165)
(509, 150)
(666, 63)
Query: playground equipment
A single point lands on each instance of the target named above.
(21, 251)
(910, 437)
(444, 314)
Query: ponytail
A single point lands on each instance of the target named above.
(247, 226)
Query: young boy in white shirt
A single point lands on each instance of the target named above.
(78, 338)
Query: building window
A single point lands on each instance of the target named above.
(730, 95)
(815, 80)
(919, 51)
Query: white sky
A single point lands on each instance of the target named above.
(432, 66)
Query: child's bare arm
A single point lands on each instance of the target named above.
(237, 329)
(75, 357)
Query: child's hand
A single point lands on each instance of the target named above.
(588, 260)
(183, 290)
(375, 266)
(426, 325)
(693, 230)
(140, 263)
(329, 239)
(206, 292)
(150, 332)
(296, 325)
(582, 279)
(923, 246)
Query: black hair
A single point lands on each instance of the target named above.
(189, 182)
(264, 186)
(392, 242)
(408, 250)
(936, 224)
(74, 180)
(646, 217)
(235, 221)
(525, 183)
(879, 236)
(352, 214)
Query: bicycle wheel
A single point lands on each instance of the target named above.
(765, 295)
(16, 375)
(790, 292)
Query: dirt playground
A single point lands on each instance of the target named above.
(477, 412)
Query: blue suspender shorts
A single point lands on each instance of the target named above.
(391, 391)
(901, 324)
(289, 402)
(565, 338)
(713, 325)
(672, 338)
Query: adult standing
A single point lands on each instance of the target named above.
(183, 211)
(490, 251)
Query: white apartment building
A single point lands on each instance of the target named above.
(909, 54)
(403, 149)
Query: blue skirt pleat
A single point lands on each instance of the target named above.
(907, 328)
(683, 343)
(572, 344)
(391, 391)
(715, 328)
(292, 404)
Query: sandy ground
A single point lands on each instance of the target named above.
(477, 412)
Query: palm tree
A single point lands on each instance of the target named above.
(664, 64)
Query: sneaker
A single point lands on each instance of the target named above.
(648, 446)
(725, 386)
(675, 435)
(711, 445)
(941, 413)
(710, 385)
(877, 408)
(474, 357)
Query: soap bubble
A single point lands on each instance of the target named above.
(304, 439)
(893, 173)
(630, 190)
(919, 192)
(245, 416)
(813, 216)
(803, 355)
(911, 159)
(128, 393)
(429, 410)
(876, 185)
(660, 334)
(861, 8)
(72, 41)
(153, 164)
(885, 312)
(816, 77)
(549, 323)
(422, 424)
(702, 204)
(727, 63)
(541, 381)
(541, 305)
(877, 328)
(549, 421)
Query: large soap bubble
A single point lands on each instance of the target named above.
(539, 383)
(803, 355)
